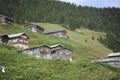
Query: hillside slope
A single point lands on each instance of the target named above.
(80, 36)
(20, 66)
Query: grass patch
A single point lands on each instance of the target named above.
(81, 33)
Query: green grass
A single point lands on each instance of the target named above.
(25, 67)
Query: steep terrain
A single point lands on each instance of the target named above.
(25, 67)
(68, 15)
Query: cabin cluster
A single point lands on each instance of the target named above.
(43, 51)
(49, 52)
(37, 28)
(112, 60)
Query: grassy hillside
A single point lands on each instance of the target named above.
(92, 47)
(24, 67)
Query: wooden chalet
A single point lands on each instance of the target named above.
(42, 51)
(112, 60)
(17, 40)
(46, 52)
(6, 20)
(34, 28)
(59, 33)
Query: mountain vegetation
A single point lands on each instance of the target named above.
(68, 15)
(77, 20)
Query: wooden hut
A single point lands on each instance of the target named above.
(59, 33)
(42, 51)
(6, 20)
(17, 40)
(112, 60)
(34, 28)
(52, 52)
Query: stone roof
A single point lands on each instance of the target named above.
(16, 35)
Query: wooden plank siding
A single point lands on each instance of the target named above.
(59, 33)
(63, 53)
(34, 28)
(40, 52)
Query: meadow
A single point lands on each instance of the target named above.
(85, 48)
